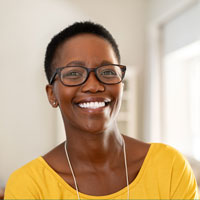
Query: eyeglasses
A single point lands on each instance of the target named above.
(77, 75)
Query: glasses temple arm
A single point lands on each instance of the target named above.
(52, 78)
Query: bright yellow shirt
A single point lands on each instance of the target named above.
(165, 174)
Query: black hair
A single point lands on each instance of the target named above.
(73, 30)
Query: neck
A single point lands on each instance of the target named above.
(95, 148)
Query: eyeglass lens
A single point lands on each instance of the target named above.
(74, 75)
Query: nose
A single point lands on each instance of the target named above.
(92, 84)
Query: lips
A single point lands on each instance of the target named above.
(93, 103)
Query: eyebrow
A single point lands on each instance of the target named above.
(76, 62)
(81, 63)
(105, 62)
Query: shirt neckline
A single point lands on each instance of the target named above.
(109, 196)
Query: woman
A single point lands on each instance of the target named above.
(85, 77)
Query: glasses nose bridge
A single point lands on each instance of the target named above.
(89, 70)
(92, 83)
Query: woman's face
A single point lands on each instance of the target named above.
(90, 51)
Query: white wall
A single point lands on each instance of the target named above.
(159, 10)
(124, 19)
(182, 30)
(28, 124)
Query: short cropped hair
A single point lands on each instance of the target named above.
(69, 32)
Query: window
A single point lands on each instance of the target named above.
(181, 99)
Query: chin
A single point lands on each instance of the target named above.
(94, 129)
(98, 128)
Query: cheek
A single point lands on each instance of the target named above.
(64, 94)
(65, 97)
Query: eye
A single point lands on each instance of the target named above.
(108, 73)
(71, 74)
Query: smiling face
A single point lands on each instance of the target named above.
(93, 106)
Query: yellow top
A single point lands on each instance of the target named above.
(165, 174)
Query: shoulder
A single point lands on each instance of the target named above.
(173, 167)
(165, 154)
(167, 157)
(158, 153)
(160, 150)
(31, 168)
(22, 182)
(150, 154)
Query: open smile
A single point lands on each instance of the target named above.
(93, 103)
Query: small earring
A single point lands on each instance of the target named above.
(54, 103)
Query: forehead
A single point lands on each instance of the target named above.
(87, 48)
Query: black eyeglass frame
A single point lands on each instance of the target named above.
(58, 71)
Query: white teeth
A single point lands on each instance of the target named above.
(92, 105)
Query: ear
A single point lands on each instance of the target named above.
(51, 96)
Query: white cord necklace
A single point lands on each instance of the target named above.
(75, 183)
